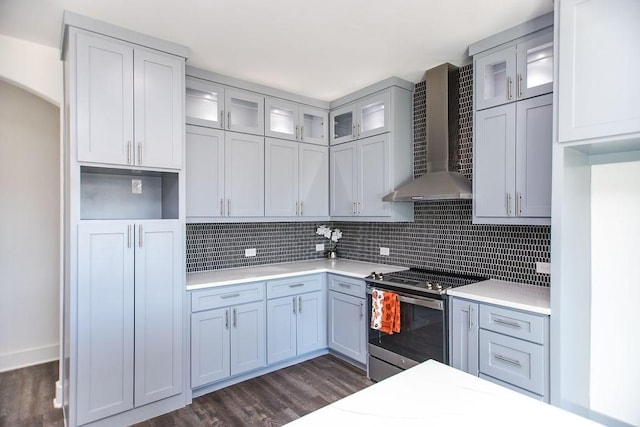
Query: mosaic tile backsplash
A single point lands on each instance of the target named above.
(441, 238)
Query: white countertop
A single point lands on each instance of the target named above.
(509, 294)
(433, 394)
(230, 276)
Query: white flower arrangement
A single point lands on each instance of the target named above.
(332, 235)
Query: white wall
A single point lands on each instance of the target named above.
(29, 228)
(615, 291)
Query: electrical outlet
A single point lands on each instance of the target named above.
(384, 251)
(250, 252)
(136, 186)
(543, 267)
(320, 247)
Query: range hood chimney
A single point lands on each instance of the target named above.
(442, 180)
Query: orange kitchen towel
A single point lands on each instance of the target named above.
(385, 311)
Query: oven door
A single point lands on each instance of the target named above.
(422, 336)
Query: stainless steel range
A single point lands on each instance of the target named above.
(424, 318)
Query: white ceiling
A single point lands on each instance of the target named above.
(322, 49)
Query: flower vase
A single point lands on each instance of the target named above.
(332, 254)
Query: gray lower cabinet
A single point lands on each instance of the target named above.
(508, 347)
(227, 332)
(464, 335)
(347, 325)
(129, 316)
(296, 317)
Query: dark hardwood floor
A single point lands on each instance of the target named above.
(273, 399)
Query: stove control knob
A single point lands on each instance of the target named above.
(438, 286)
(373, 275)
(380, 276)
(428, 285)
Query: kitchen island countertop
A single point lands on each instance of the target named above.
(231, 276)
(509, 294)
(433, 394)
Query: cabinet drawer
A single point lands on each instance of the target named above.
(225, 296)
(514, 361)
(517, 324)
(294, 285)
(348, 285)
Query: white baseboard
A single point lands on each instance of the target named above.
(29, 357)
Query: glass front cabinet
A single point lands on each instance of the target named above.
(517, 72)
(368, 117)
(289, 120)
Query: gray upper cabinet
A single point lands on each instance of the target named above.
(515, 72)
(244, 111)
(512, 163)
(367, 117)
(598, 86)
(204, 103)
(290, 120)
(130, 104)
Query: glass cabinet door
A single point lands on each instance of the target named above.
(535, 66)
(204, 103)
(343, 124)
(373, 115)
(494, 82)
(313, 125)
(245, 111)
(281, 119)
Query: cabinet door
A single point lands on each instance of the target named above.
(245, 111)
(311, 322)
(244, 174)
(347, 326)
(464, 336)
(313, 180)
(105, 320)
(533, 156)
(159, 113)
(281, 178)
(598, 85)
(313, 125)
(494, 78)
(343, 179)
(248, 337)
(535, 66)
(210, 351)
(343, 124)
(281, 119)
(373, 176)
(204, 103)
(204, 172)
(281, 328)
(494, 162)
(104, 82)
(159, 290)
(373, 115)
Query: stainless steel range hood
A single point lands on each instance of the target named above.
(442, 180)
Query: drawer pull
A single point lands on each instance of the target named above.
(507, 359)
(226, 318)
(344, 285)
(507, 323)
(229, 296)
(300, 304)
(297, 285)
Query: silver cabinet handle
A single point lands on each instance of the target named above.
(129, 152)
(354, 208)
(301, 133)
(297, 209)
(344, 285)
(299, 304)
(221, 207)
(353, 130)
(519, 85)
(235, 318)
(297, 285)
(361, 309)
(230, 296)
(301, 207)
(228, 207)
(297, 133)
(293, 303)
(129, 236)
(228, 119)
(221, 119)
(358, 130)
(507, 323)
(226, 318)
(509, 95)
(507, 359)
(519, 203)
(140, 234)
(140, 153)
(508, 204)
(358, 208)
(470, 317)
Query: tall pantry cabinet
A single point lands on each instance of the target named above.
(124, 297)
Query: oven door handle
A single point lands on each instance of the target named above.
(423, 302)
